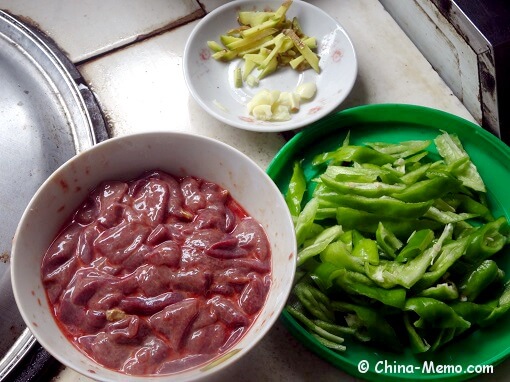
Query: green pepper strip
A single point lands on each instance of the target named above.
(325, 274)
(310, 325)
(502, 307)
(443, 292)
(473, 312)
(447, 203)
(324, 213)
(359, 284)
(434, 314)
(335, 329)
(348, 238)
(315, 306)
(446, 217)
(450, 148)
(305, 220)
(353, 174)
(387, 241)
(418, 242)
(319, 296)
(371, 189)
(319, 244)
(450, 253)
(339, 254)
(350, 218)
(414, 160)
(340, 330)
(315, 230)
(402, 149)
(383, 206)
(487, 240)
(483, 314)
(359, 154)
(376, 324)
(329, 344)
(415, 175)
(445, 335)
(391, 175)
(391, 273)
(418, 344)
(296, 190)
(366, 249)
(470, 205)
(356, 237)
(479, 279)
(428, 189)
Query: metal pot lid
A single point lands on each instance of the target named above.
(46, 117)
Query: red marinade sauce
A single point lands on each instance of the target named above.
(157, 275)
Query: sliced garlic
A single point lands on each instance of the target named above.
(306, 90)
(275, 105)
(263, 97)
(281, 113)
(262, 112)
(291, 100)
(275, 94)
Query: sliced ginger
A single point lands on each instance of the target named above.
(266, 41)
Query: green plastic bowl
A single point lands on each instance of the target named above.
(394, 123)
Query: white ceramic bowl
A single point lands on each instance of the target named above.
(125, 158)
(211, 82)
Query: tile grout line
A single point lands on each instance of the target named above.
(173, 25)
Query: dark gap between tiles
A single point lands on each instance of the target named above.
(166, 28)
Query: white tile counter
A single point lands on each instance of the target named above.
(137, 77)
